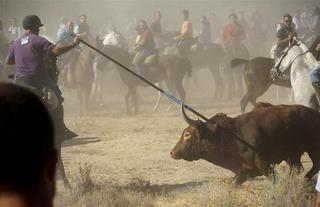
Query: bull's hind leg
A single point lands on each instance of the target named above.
(315, 157)
(295, 163)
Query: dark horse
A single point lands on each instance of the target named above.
(257, 76)
(170, 68)
(211, 56)
(84, 77)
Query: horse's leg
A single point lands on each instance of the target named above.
(61, 167)
(127, 96)
(100, 96)
(156, 106)
(79, 93)
(239, 83)
(86, 98)
(171, 88)
(135, 101)
(180, 89)
(257, 93)
(127, 99)
(217, 82)
(244, 102)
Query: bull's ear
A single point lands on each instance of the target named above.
(213, 127)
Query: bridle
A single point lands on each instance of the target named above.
(293, 42)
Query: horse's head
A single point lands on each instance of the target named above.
(295, 50)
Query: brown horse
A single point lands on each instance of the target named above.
(257, 76)
(84, 77)
(170, 68)
(210, 56)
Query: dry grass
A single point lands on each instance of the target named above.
(286, 189)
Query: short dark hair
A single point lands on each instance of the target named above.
(27, 138)
(185, 12)
(83, 15)
(233, 15)
(287, 15)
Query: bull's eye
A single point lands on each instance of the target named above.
(186, 135)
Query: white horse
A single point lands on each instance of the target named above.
(113, 38)
(300, 61)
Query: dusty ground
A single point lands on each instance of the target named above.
(122, 148)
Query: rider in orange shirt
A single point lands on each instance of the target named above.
(185, 39)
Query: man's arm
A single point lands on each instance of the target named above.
(10, 59)
(284, 42)
(59, 50)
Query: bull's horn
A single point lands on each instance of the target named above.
(186, 118)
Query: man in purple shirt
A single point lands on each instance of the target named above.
(28, 53)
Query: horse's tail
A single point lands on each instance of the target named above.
(237, 62)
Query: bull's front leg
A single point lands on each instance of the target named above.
(240, 178)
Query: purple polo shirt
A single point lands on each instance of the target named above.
(28, 52)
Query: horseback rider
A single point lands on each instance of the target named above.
(65, 37)
(83, 29)
(204, 38)
(315, 21)
(143, 48)
(205, 34)
(285, 32)
(185, 39)
(156, 28)
(233, 33)
(64, 34)
(28, 53)
(315, 76)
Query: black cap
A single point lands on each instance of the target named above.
(31, 21)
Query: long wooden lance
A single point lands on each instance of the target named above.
(167, 94)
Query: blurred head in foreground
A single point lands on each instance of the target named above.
(27, 154)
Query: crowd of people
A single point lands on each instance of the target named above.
(35, 174)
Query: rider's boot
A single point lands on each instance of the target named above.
(62, 132)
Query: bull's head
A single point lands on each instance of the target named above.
(195, 139)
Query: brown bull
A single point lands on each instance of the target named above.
(250, 144)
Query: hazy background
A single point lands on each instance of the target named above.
(101, 12)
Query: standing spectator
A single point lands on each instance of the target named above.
(14, 31)
(31, 71)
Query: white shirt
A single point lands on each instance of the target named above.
(318, 183)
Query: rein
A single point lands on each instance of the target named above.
(286, 53)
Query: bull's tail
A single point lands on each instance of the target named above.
(237, 62)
